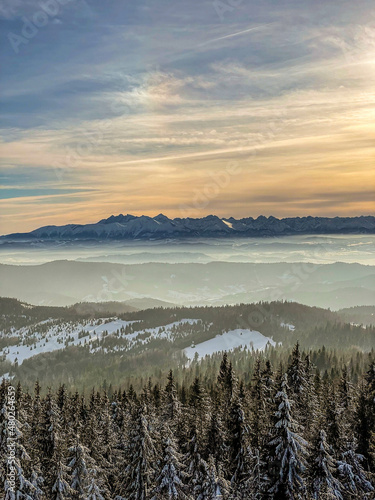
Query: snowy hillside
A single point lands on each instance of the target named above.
(229, 341)
(47, 336)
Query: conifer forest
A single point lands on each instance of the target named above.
(286, 431)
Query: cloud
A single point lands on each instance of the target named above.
(142, 107)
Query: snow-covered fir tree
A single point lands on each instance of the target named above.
(60, 489)
(355, 480)
(79, 461)
(171, 408)
(239, 451)
(195, 439)
(322, 466)
(287, 449)
(142, 453)
(214, 486)
(196, 465)
(171, 478)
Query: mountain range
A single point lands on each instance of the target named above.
(160, 227)
(62, 283)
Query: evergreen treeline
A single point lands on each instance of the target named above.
(288, 433)
(106, 371)
(113, 357)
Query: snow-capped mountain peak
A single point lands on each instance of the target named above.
(129, 226)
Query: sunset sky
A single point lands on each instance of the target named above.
(236, 108)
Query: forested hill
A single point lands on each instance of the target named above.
(83, 348)
(288, 433)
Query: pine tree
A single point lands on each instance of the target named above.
(96, 490)
(287, 451)
(364, 417)
(35, 431)
(91, 432)
(226, 383)
(268, 384)
(239, 450)
(78, 464)
(196, 466)
(258, 479)
(171, 404)
(222, 378)
(88, 480)
(198, 409)
(170, 482)
(59, 472)
(332, 423)
(37, 481)
(299, 389)
(214, 487)
(216, 439)
(140, 471)
(310, 400)
(49, 433)
(259, 417)
(353, 476)
(322, 483)
(4, 435)
(108, 453)
(24, 488)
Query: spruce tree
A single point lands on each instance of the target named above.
(196, 465)
(258, 479)
(171, 480)
(215, 487)
(216, 439)
(78, 464)
(287, 451)
(140, 471)
(96, 490)
(322, 482)
(239, 450)
(364, 417)
(353, 476)
(59, 473)
(171, 404)
(298, 383)
(23, 487)
(259, 417)
(332, 423)
(49, 433)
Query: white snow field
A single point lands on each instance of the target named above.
(54, 337)
(48, 336)
(228, 342)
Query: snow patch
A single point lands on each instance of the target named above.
(229, 341)
(229, 224)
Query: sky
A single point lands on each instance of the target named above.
(234, 107)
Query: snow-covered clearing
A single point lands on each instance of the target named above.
(58, 336)
(229, 341)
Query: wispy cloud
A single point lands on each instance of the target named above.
(238, 33)
(138, 109)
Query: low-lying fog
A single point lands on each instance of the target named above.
(321, 249)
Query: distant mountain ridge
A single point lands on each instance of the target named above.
(118, 227)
